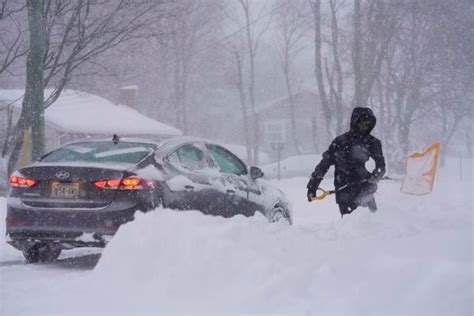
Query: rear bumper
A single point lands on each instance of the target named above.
(67, 228)
(25, 240)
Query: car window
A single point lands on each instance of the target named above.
(189, 157)
(101, 151)
(226, 161)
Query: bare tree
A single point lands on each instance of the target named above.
(336, 74)
(13, 46)
(373, 28)
(76, 33)
(318, 69)
(291, 26)
(189, 24)
(239, 64)
(254, 35)
(425, 79)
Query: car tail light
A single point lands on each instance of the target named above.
(18, 181)
(120, 184)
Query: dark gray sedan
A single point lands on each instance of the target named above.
(79, 194)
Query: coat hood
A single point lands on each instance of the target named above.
(362, 114)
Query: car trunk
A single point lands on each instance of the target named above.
(68, 186)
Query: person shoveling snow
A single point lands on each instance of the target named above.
(354, 185)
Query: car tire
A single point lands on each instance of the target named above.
(279, 214)
(41, 253)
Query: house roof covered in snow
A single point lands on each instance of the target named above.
(81, 112)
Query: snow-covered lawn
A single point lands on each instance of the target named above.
(414, 256)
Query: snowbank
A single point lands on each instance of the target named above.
(414, 256)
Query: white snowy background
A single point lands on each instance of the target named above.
(413, 257)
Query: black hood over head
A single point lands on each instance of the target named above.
(362, 114)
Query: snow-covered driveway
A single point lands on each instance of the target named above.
(414, 256)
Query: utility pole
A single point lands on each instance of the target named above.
(34, 93)
(278, 147)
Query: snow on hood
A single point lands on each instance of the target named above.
(81, 112)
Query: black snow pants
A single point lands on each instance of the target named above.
(364, 197)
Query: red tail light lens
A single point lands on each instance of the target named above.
(113, 183)
(21, 182)
(120, 184)
(100, 184)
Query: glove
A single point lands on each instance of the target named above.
(311, 194)
(377, 175)
(312, 186)
(373, 180)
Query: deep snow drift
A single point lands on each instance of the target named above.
(414, 256)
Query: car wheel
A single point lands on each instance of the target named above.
(279, 214)
(41, 253)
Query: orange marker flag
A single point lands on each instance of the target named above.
(420, 171)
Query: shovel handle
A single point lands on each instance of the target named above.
(322, 195)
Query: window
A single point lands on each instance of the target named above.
(103, 151)
(227, 162)
(189, 157)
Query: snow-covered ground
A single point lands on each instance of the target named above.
(414, 256)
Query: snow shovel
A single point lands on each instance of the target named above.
(326, 193)
(322, 195)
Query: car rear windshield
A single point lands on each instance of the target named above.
(104, 151)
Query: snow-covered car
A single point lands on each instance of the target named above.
(79, 194)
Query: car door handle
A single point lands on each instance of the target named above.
(230, 192)
(189, 188)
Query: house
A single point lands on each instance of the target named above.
(276, 126)
(77, 115)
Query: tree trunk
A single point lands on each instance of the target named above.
(32, 105)
(357, 54)
(243, 104)
(251, 86)
(338, 69)
(286, 67)
(318, 70)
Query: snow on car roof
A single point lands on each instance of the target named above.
(81, 112)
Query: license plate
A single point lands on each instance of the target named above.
(65, 190)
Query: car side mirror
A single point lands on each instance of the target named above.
(256, 173)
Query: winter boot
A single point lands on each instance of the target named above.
(372, 205)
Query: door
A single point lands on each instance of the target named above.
(234, 175)
(189, 181)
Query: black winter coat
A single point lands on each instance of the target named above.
(348, 153)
